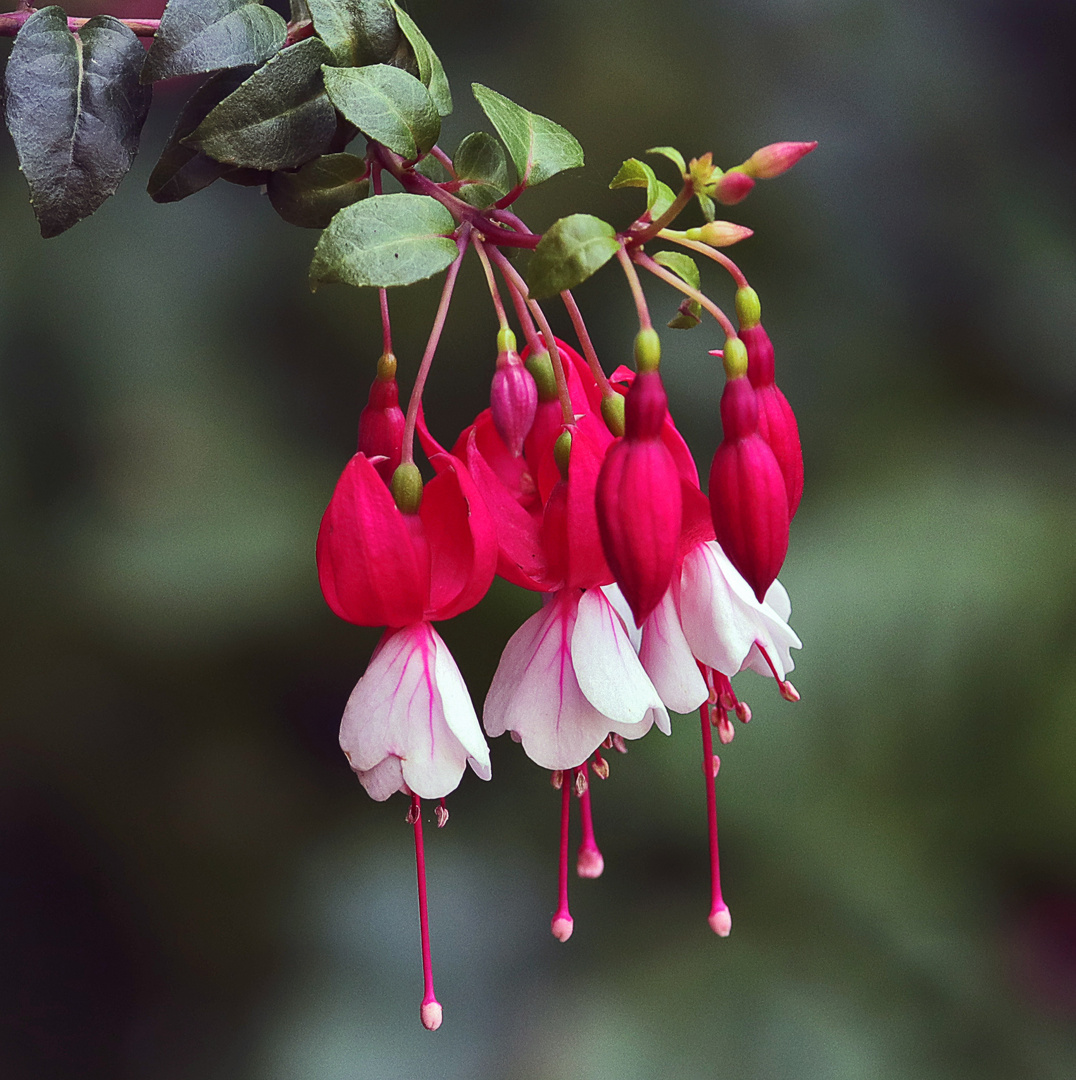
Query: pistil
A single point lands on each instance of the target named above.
(562, 924)
(720, 920)
(431, 1011)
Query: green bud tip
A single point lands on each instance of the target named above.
(748, 308)
(735, 358)
(613, 413)
(541, 368)
(647, 350)
(407, 488)
(386, 367)
(506, 340)
(562, 450)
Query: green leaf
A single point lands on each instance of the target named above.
(278, 119)
(538, 147)
(388, 105)
(708, 209)
(688, 316)
(430, 70)
(672, 154)
(312, 195)
(480, 160)
(636, 173)
(75, 109)
(571, 250)
(196, 36)
(384, 241)
(182, 170)
(433, 170)
(359, 32)
(683, 266)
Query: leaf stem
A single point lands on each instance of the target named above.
(636, 289)
(635, 237)
(444, 159)
(408, 454)
(658, 270)
(11, 23)
(588, 345)
(705, 249)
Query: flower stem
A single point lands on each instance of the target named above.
(671, 214)
(658, 270)
(444, 159)
(588, 345)
(430, 1011)
(637, 293)
(408, 456)
(11, 23)
(382, 294)
(719, 919)
(562, 923)
(495, 295)
(712, 253)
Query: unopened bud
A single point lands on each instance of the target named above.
(382, 422)
(734, 357)
(513, 401)
(733, 187)
(581, 782)
(541, 369)
(720, 233)
(748, 308)
(562, 452)
(600, 767)
(613, 413)
(406, 488)
(772, 160)
(647, 350)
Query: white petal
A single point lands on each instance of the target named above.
(458, 710)
(777, 598)
(778, 638)
(395, 710)
(668, 660)
(383, 780)
(620, 606)
(606, 666)
(535, 693)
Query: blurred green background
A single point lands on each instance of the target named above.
(193, 884)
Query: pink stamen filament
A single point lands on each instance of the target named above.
(719, 919)
(430, 1011)
(589, 862)
(562, 924)
(788, 691)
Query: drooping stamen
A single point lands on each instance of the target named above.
(440, 812)
(725, 694)
(788, 691)
(556, 778)
(589, 862)
(431, 1011)
(582, 784)
(743, 711)
(600, 766)
(719, 719)
(619, 744)
(720, 920)
(562, 924)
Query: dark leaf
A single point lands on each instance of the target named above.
(279, 118)
(75, 112)
(196, 36)
(430, 70)
(359, 32)
(538, 147)
(636, 173)
(386, 104)
(312, 195)
(571, 250)
(433, 170)
(684, 267)
(182, 170)
(480, 159)
(386, 240)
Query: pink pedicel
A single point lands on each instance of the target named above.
(748, 498)
(589, 862)
(638, 500)
(561, 924)
(381, 422)
(430, 1012)
(776, 420)
(513, 401)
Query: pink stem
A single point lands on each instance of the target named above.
(430, 1012)
(562, 924)
(636, 290)
(658, 270)
(444, 159)
(718, 257)
(408, 456)
(589, 862)
(720, 920)
(382, 294)
(584, 340)
(491, 281)
(11, 24)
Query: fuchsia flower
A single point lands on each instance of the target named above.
(381, 422)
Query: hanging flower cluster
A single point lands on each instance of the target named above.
(572, 483)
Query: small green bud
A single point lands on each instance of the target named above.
(541, 369)
(562, 450)
(613, 413)
(735, 358)
(386, 367)
(506, 341)
(748, 308)
(407, 488)
(647, 350)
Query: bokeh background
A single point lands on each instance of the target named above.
(193, 884)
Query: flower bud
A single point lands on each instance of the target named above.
(381, 422)
(772, 160)
(733, 187)
(748, 499)
(513, 400)
(720, 233)
(776, 420)
(638, 501)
